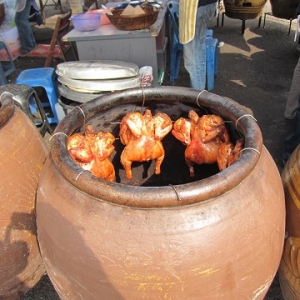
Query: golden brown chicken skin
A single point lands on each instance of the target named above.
(91, 151)
(204, 137)
(142, 134)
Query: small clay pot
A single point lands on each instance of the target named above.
(163, 236)
(23, 154)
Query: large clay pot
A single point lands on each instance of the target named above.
(161, 236)
(284, 9)
(23, 153)
(289, 271)
(244, 9)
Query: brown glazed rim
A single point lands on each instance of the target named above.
(7, 108)
(165, 196)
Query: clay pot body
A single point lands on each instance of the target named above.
(284, 9)
(244, 10)
(23, 153)
(289, 274)
(219, 237)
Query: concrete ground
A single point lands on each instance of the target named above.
(255, 69)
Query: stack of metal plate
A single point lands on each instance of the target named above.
(82, 81)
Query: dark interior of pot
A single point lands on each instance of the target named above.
(174, 169)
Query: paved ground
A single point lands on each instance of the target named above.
(255, 69)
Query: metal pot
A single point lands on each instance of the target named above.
(23, 153)
(161, 236)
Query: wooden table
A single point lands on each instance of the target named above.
(107, 42)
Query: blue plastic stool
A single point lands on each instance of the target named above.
(8, 68)
(212, 49)
(47, 79)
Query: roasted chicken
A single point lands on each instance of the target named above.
(229, 153)
(142, 135)
(91, 151)
(207, 141)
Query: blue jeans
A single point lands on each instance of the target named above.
(24, 28)
(293, 140)
(194, 52)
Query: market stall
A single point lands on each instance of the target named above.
(144, 47)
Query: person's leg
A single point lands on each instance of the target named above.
(194, 52)
(24, 28)
(292, 100)
(293, 140)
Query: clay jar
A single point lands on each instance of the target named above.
(219, 237)
(284, 9)
(23, 153)
(289, 275)
(244, 9)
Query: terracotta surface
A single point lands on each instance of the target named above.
(23, 153)
(289, 272)
(219, 237)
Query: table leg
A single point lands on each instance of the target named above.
(57, 3)
(41, 5)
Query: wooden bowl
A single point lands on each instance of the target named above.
(134, 22)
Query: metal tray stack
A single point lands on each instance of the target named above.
(82, 81)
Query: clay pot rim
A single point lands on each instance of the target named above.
(169, 196)
(7, 108)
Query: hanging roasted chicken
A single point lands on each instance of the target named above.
(142, 135)
(207, 141)
(229, 153)
(91, 151)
